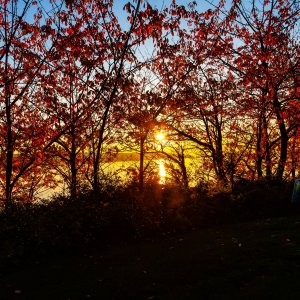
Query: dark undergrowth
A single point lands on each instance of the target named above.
(162, 244)
(68, 225)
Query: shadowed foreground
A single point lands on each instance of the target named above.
(257, 260)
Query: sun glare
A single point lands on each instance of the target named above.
(160, 136)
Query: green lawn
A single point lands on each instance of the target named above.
(255, 260)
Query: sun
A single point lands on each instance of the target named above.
(160, 136)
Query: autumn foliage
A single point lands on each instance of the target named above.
(78, 84)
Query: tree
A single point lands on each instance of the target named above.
(176, 153)
(24, 51)
(265, 57)
(142, 124)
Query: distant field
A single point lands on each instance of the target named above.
(256, 260)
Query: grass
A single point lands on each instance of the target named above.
(254, 260)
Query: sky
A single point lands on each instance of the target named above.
(122, 15)
(159, 4)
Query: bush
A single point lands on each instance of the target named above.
(264, 197)
(125, 213)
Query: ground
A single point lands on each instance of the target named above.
(254, 260)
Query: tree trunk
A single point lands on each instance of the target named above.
(9, 165)
(9, 143)
(259, 157)
(220, 162)
(293, 157)
(283, 151)
(267, 147)
(183, 171)
(141, 171)
(283, 139)
(73, 187)
(95, 178)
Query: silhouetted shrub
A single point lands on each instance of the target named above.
(265, 197)
(124, 212)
